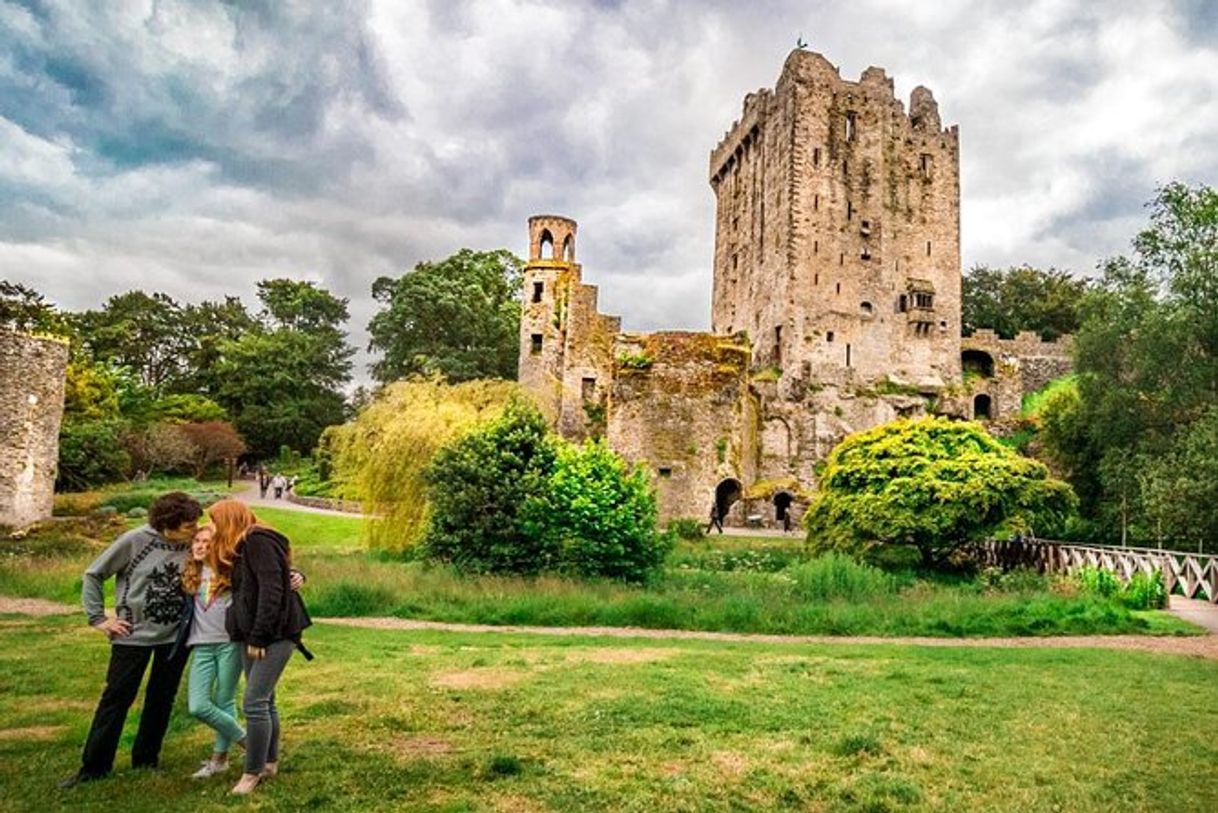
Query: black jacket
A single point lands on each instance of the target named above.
(264, 608)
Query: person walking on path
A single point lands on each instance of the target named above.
(279, 483)
(267, 618)
(716, 518)
(147, 565)
(264, 483)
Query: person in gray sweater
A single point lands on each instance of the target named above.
(147, 565)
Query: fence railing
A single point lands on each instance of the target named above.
(1195, 575)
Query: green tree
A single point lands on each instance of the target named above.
(933, 483)
(458, 318)
(1021, 298)
(598, 514)
(142, 332)
(25, 310)
(1147, 362)
(210, 324)
(283, 384)
(478, 488)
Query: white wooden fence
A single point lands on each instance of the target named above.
(1195, 575)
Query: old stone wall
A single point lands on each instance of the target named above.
(31, 407)
(1005, 370)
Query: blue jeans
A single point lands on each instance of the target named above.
(261, 715)
(212, 689)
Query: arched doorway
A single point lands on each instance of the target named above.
(982, 405)
(782, 509)
(727, 493)
(977, 362)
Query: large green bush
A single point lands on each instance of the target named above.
(478, 488)
(933, 483)
(599, 515)
(90, 453)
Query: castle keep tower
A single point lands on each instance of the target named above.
(31, 408)
(837, 230)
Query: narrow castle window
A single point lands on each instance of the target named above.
(568, 249)
(865, 228)
(816, 279)
(927, 248)
(847, 355)
(850, 126)
(665, 472)
(829, 336)
(866, 308)
(538, 287)
(841, 259)
(816, 246)
(923, 300)
(849, 210)
(839, 288)
(536, 347)
(902, 303)
(924, 165)
(866, 255)
(545, 248)
(778, 344)
(587, 389)
(816, 203)
(735, 262)
(735, 224)
(845, 168)
(816, 157)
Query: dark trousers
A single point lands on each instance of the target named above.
(123, 676)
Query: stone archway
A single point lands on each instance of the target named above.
(977, 362)
(727, 493)
(782, 508)
(983, 407)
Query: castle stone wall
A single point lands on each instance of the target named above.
(31, 407)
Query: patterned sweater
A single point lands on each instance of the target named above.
(147, 590)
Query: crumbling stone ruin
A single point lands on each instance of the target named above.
(31, 406)
(836, 306)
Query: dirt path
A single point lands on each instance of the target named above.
(248, 494)
(1202, 646)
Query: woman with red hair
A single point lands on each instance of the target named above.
(267, 617)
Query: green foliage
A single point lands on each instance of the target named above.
(380, 457)
(686, 528)
(1034, 404)
(145, 333)
(1134, 442)
(838, 577)
(1021, 298)
(458, 318)
(598, 515)
(90, 453)
(932, 483)
(1141, 592)
(720, 449)
(25, 310)
(638, 362)
(479, 487)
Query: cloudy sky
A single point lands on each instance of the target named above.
(197, 147)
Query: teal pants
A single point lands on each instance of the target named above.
(214, 671)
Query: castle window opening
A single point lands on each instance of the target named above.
(866, 254)
(849, 210)
(924, 300)
(735, 224)
(865, 229)
(977, 362)
(778, 344)
(845, 168)
(816, 246)
(782, 508)
(942, 325)
(665, 472)
(588, 389)
(568, 249)
(735, 262)
(535, 346)
(816, 279)
(841, 259)
(847, 355)
(546, 244)
(829, 337)
(726, 493)
(816, 203)
(867, 309)
(927, 248)
(839, 288)
(851, 120)
(982, 406)
(902, 304)
(816, 157)
(538, 289)
(924, 165)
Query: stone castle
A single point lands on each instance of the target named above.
(31, 406)
(836, 306)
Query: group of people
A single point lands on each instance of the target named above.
(223, 596)
(277, 483)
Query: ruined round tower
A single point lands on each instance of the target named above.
(31, 407)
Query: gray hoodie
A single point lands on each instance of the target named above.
(148, 590)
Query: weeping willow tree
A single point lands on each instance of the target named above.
(380, 457)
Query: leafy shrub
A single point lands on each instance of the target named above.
(1145, 592)
(834, 576)
(686, 528)
(598, 515)
(90, 453)
(1098, 582)
(478, 488)
(933, 483)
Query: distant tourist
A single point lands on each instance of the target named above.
(279, 483)
(265, 616)
(291, 483)
(264, 483)
(147, 566)
(716, 518)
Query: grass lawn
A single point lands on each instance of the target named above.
(391, 720)
(741, 584)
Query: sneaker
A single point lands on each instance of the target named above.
(269, 771)
(246, 784)
(209, 769)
